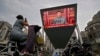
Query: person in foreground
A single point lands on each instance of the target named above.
(17, 34)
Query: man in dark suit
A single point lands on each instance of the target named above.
(59, 19)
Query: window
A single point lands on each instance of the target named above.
(97, 34)
(97, 40)
(90, 36)
(97, 26)
(3, 32)
(91, 29)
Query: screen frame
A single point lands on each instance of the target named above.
(58, 7)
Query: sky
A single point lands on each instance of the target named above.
(30, 9)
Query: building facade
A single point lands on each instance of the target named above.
(84, 35)
(48, 45)
(5, 28)
(93, 31)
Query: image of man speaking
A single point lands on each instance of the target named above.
(60, 19)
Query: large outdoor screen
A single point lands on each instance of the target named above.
(60, 16)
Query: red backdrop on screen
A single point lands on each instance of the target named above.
(68, 13)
